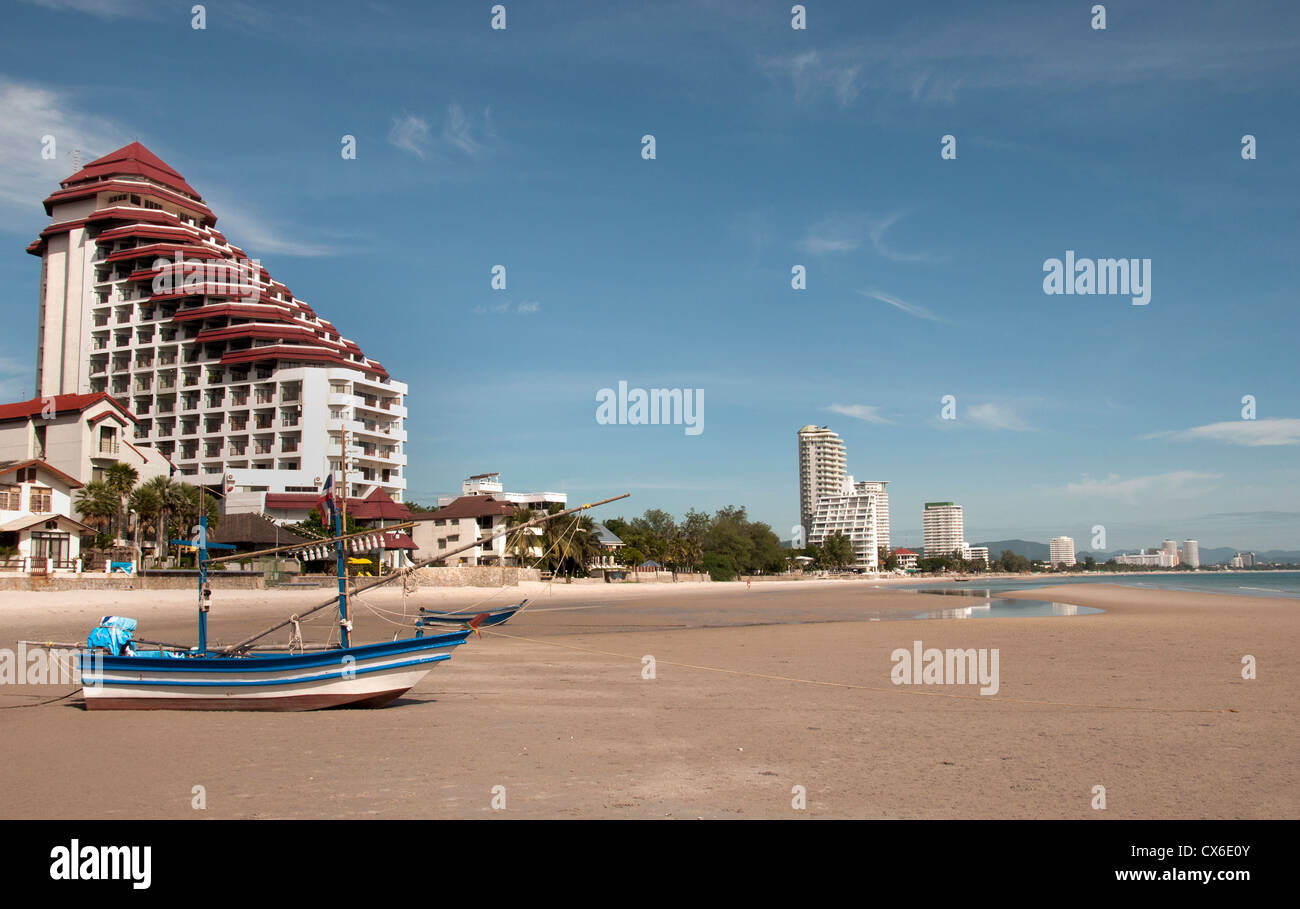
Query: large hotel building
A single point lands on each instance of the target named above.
(229, 375)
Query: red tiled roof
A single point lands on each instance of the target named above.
(11, 466)
(22, 410)
(379, 504)
(133, 159)
(468, 507)
(903, 552)
(398, 541)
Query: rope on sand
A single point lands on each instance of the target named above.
(850, 685)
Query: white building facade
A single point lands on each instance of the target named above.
(877, 489)
(821, 470)
(943, 529)
(1061, 551)
(852, 514)
(228, 375)
(1192, 553)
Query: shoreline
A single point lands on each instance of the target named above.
(757, 690)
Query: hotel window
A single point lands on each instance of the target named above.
(41, 500)
(11, 497)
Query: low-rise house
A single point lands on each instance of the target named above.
(609, 546)
(79, 435)
(906, 559)
(464, 520)
(37, 530)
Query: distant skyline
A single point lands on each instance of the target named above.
(775, 148)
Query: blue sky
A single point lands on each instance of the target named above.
(775, 148)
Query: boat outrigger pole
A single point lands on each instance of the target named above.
(389, 578)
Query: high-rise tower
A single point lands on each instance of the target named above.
(233, 378)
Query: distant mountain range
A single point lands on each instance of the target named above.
(1218, 556)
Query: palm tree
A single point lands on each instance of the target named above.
(524, 541)
(97, 504)
(171, 503)
(120, 479)
(147, 505)
(572, 545)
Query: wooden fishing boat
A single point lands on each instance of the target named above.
(116, 675)
(498, 616)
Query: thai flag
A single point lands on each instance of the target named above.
(326, 501)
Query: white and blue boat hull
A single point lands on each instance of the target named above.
(371, 675)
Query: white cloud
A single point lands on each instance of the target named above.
(410, 133)
(912, 309)
(258, 236)
(105, 9)
(529, 306)
(813, 75)
(32, 112)
(1176, 484)
(868, 413)
(457, 132)
(994, 416)
(1253, 433)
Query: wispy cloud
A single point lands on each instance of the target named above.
(994, 416)
(459, 134)
(878, 241)
(104, 9)
(1176, 484)
(1252, 433)
(410, 133)
(868, 413)
(31, 112)
(814, 75)
(260, 236)
(912, 309)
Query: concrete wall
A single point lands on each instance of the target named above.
(179, 580)
(474, 576)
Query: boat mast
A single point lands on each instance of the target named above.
(340, 548)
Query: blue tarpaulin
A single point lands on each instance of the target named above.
(113, 634)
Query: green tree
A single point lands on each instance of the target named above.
(120, 479)
(97, 504)
(836, 551)
(521, 543)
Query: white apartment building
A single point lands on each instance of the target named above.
(489, 484)
(852, 514)
(1171, 549)
(1192, 553)
(975, 553)
(1155, 559)
(943, 531)
(1061, 551)
(877, 488)
(821, 470)
(229, 376)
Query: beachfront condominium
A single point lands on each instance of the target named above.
(1171, 549)
(228, 374)
(877, 488)
(852, 513)
(821, 470)
(1061, 551)
(1191, 553)
(942, 529)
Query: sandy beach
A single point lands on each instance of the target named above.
(757, 691)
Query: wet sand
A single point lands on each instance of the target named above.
(1146, 699)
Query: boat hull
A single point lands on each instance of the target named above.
(367, 676)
